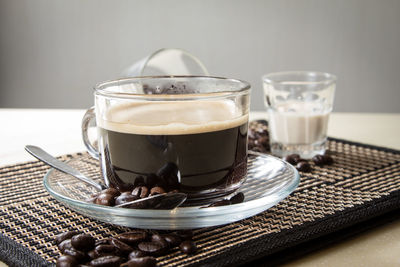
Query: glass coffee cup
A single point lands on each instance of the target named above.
(185, 133)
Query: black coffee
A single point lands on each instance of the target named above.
(203, 155)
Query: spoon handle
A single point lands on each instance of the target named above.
(42, 155)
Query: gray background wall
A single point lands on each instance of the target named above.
(53, 51)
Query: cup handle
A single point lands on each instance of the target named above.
(88, 119)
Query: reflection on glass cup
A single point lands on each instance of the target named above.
(298, 105)
(186, 133)
(167, 61)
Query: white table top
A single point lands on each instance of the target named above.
(59, 132)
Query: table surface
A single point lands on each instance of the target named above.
(59, 132)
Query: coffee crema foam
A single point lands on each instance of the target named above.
(172, 118)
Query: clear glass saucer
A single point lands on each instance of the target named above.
(269, 180)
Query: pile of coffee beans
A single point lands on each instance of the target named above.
(134, 248)
(258, 139)
(112, 196)
(303, 165)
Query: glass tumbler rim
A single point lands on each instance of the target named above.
(275, 78)
(100, 89)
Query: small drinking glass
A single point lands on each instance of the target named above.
(298, 105)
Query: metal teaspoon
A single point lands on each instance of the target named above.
(161, 201)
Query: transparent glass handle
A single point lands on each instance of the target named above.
(89, 119)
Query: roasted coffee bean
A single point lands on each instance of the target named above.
(160, 239)
(111, 191)
(91, 200)
(106, 261)
(140, 191)
(262, 141)
(152, 248)
(92, 254)
(83, 242)
(303, 166)
(188, 247)
(156, 191)
(258, 149)
(123, 248)
(142, 262)
(318, 160)
(78, 255)
(136, 254)
(63, 236)
(292, 159)
(223, 202)
(105, 250)
(151, 180)
(105, 241)
(105, 200)
(185, 234)
(66, 261)
(238, 198)
(174, 191)
(125, 197)
(66, 244)
(139, 181)
(172, 239)
(133, 237)
(328, 159)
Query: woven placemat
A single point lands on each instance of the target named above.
(363, 182)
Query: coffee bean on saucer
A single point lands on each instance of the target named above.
(303, 166)
(223, 202)
(91, 199)
(66, 261)
(136, 254)
(174, 191)
(83, 242)
(105, 200)
(152, 248)
(111, 191)
(121, 247)
(142, 262)
(172, 239)
(152, 180)
(238, 198)
(133, 237)
(156, 191)
(140, 191)
(188, 247)
(63, 236)
(125, 197)
(106, 261)
(139, 181)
